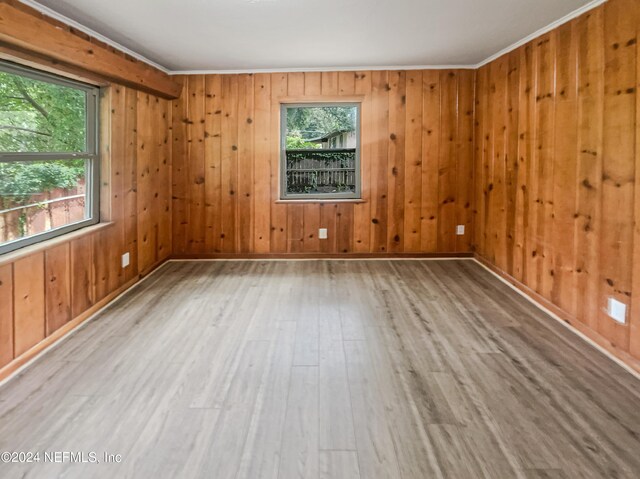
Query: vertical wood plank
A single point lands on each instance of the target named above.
(313, 83)
(81, 274)
(28, 302)
(229, 163)
(511, 158)
(180, 119)
(396, 155)
(146, 231)
(590, 125)
(478, 163)
(6, 314)
(295, 84)
(57, 287)
(634, 316)
(620, 88)
(525, 144)
(131, 183)
(413, 162)
(544, 152)
(464, 159)
(311, 224)
(262, 174)
(487, 164)
(329, 83)
(246, 211)
(117, 144)
(295, 228)
(346, 83)
(196, 159)
(328, 220)
(565, 169)
(497, 191)
(546, 128)
(163, 182)
(447, 162)
(344, 227)
(212, 161)
(379, 160)
(431, 117)
(532, 254)
(103, 255)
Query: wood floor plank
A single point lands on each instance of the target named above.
(336, 416)
(299, 454)
(324, 369)
(376, 451)
(261, 457)
(223, 456)
(339, 465)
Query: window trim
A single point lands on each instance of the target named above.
(91, 153)
(293, 197)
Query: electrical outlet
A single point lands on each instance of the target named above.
(322, 233)
(460, 230)
(617, 310)
(125, 260)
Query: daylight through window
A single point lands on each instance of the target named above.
(320, 151)
(48, 156)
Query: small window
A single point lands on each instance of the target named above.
(48, 156)
(320, 151)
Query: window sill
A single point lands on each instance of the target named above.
(320, 200)
(50, 243)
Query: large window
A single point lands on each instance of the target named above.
(320, 151)
(48, 156)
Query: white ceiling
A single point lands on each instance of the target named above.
(230, 35)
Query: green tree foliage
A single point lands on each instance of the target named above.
(37, 116)
(314, 122)
(296, 142)
(22, 180)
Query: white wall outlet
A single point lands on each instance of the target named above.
(125, 260)
(322, 233)
(460, 230)
(617, 310)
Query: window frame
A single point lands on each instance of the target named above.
(355, 195)
(91, 155)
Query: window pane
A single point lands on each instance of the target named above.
(36, 197)
(39, 116)
(321, 172)
(320, 126)
(321, 150)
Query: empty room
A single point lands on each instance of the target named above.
(320, 239)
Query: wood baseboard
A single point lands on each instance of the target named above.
(291, 256)
(593, 337)
(10, 368)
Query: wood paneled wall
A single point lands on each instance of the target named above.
(43, 291)
(417, 153)
(558, 168)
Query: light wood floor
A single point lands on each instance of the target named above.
(325, 369)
